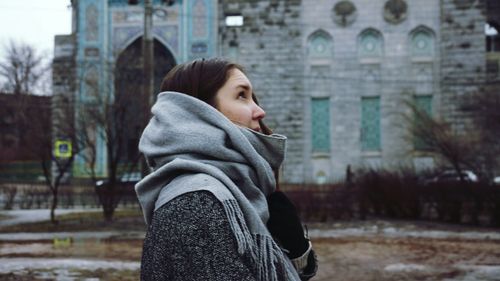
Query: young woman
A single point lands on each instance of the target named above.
(210, 202)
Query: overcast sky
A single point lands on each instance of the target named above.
(34, 22)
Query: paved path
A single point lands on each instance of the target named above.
(9, 265)
(35, 215)
(392, 232)
(75, 236)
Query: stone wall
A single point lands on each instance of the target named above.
(391, 76)
(269, 46)
(272, 44)
(462, 58)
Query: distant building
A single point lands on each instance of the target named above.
(21, 118)
(331, 74)
(105, 47)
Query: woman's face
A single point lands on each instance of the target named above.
(234, 100)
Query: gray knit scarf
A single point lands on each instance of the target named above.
(190, 146)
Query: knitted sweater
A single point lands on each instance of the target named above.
(190, 238)
(193, 227)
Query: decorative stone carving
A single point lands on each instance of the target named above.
(170, 34)
(371, 73)
(463, 4)
(422, 43)
(370, 44)
(319, 45)
(91, 52)
(395, 11)
(344, 13)
(163, 15)
(423, 75)
(199, 19)
(199, 48)
(91, 26)
(123, 35)
(319, 80)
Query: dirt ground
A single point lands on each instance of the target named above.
(378, 258)
(355, 254)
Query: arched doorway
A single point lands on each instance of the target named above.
(128, 92)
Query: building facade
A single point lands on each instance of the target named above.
(101, 61)
(332, 75)
(335, 75)
(25, 128)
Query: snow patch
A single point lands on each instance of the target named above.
(36, 215)
(8, 265)
(402, 233)
(398, 267)
(33, 236)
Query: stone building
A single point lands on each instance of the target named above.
(332, 75)
(101, 61)
(24, 130)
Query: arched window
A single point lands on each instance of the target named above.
(370, 43)
(422, 42)
(320, 45)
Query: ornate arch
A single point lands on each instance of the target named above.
(131, 40)
(370, 43)
(127, 85)
(422, 42)
(320, 44)
(168, 36)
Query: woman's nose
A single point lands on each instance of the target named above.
(258, 113)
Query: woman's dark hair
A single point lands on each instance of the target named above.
(202, 78)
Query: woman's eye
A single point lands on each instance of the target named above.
(241, 95)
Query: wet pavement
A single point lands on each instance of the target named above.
(81, 235)
(362, 251)
(16, 264)
(13, 217)
(82, 255)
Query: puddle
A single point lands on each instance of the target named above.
(67, 269)
(19, 264)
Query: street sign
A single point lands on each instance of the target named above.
(63, 149)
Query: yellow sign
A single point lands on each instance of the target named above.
(63, 149)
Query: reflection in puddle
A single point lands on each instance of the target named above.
(68, 269)
(73, 259)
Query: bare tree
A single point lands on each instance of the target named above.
(55, 168)
(437, 137)
(23, 68)
(114, 117)
(113, 113)
(24, 71)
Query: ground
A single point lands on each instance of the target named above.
(358, 250)
(407, 259)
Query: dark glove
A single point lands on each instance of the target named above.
(284, 225)
(312, 267)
